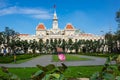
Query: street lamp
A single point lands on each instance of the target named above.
(118, 18)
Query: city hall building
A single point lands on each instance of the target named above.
(69, 32)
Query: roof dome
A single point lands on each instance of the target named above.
(40, 27)
(69, 26)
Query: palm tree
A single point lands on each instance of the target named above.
(18, 45)
(102, 44)
(89, 45)
(9, 34)
(1, 38)
(47, 44)
(95, 46)
(70, 45)
(25, 46)
(109, 41)
(40, 45)
(83, 46)
(79, 45)
(33, 45)
(63, 45)
(117, 38)
(76, 46)
(59, 42)
(9, 37)
(51, 45)
(55, 45)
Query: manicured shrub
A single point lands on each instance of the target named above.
(9, 59)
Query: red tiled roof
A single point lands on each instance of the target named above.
(40, 27)
(69, 26)
(23, 34)
(86, 35)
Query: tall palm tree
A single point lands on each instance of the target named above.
(117, 38)
(55, 45)
(83, 42)
(63, 45)
(25, 46)
(95, 46)
(70, 45)
(80, 45)
(102, 44)
(59, 42)
(90, 45)
(47, 44)
(12, 45)
(18, 43)
(76, 46)
(117, 33)
(109, 41)
(9, 34)
(40, 45)
(33, 45)
(1, 38)
(51, 45)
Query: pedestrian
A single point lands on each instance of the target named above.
(4, 52)
(14, 57)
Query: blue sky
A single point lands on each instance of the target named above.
(90, 16)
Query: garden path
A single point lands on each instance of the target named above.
(47, 59)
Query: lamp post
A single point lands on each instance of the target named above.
(118, 18)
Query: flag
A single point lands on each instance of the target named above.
(54, 6)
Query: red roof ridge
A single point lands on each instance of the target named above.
(40, 26)
(69, 26)
(23, 34)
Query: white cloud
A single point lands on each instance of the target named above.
(35, 13)
(43, 16)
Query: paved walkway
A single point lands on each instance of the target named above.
(47, 59)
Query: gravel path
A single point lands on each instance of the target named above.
(47, 59)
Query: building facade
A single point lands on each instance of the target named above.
(69, 32)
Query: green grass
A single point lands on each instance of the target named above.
(81, 71)
(70, 58)
(24, 60)
(71, 72)
(23, 73)
(99, 54)
(19, 58)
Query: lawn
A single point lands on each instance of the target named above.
(99, 54)
(81, 71)
(71, 72)
(23, 60)
(70, 58)
(19, 58)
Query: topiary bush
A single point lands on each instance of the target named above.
(9, 59)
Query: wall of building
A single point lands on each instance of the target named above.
(41, 32)
(69, 32)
